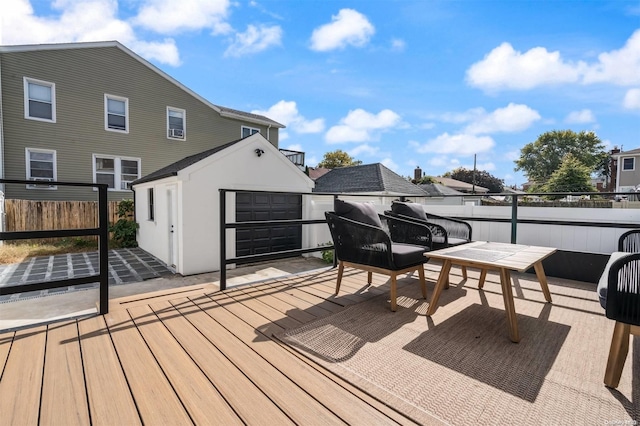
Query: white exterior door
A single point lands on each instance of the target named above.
(172, 215)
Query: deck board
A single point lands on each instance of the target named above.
(156, 400)
(249, 402)
(22, 377)
(201, 399)
(191, 356)
(64, 399)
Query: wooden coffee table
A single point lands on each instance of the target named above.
(493, 256)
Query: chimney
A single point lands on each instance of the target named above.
(417, 174)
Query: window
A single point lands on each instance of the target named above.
(176, 123)
(116, 172)
(150, 201)
(39, 100)
(248, 131)
(116, 113)
(628, 163)
(41, 167)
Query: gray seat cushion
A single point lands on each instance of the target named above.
(405, 255)
(360, 212)
(603, 283)
(408, 209)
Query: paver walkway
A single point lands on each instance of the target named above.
(125, 266)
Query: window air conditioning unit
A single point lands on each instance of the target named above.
(41, 179)
(125, 184)
(176, 133)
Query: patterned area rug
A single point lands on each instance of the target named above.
(459, 365)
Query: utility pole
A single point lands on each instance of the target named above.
(473, 179)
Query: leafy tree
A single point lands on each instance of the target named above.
(338, 158)
(482, 178)
(541, 158)
(425, 179)
(571, 176)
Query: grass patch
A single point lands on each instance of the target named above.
(19, 252)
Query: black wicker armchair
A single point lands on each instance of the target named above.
(445, 231)
(376, 243)
(619, 293)
(630, 241)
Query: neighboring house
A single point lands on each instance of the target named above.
(460, 186)
(628, 170)
(366, 179)
(178, 206)
(315, 172)
(97, 112)
(440, 194)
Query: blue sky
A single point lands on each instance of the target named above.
(405, 83)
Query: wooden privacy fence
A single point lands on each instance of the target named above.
(29, 215)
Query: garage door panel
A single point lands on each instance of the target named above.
(263, 207)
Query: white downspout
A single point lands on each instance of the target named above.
(3, 226)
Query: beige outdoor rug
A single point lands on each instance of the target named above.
(459, 365)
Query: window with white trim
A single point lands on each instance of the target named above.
(629, 164)
(39, 100)
(116, 113)
(41, 167)
(116, 172)
(248, 131)
(176, 123)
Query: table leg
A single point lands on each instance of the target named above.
(443, 279)
(483, 277)
(509, 306)
(543, 280)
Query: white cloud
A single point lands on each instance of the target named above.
(506, 68)
(364, 149)
(167, 17)
(461, 144)
(582, 116)
(348, 27)
(286, 112)
(398, 45)
(620, 67)
(632, 99)
(254, 40)
(78, 21)
(512, 118)
(361, 126)
(443, 162)
(390, 164)
(295, 147)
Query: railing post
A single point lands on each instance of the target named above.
(223, 240)
(514, 218)
(103, 215)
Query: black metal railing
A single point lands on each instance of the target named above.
(102, 232)
(514, 220)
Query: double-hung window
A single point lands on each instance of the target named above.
(41, 167)
(39, 100)
(248, 131)
(116, 113)
(629, 163)
(176, 123)
(116, 172)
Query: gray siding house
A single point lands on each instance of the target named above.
(97, 112)
(628, 170)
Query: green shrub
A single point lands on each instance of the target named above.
(124, 230)
(327, 255)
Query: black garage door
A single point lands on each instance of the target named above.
(252, 206)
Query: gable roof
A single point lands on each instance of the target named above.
(365, 178)
(316, 172)
(223, 111)
(626, 153)
(437, 189)
(459, 185)
(173, 168)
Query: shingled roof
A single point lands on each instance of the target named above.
(437, 189)
(366, 178)
(174, 168)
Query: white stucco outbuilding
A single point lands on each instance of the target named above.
(178, 206)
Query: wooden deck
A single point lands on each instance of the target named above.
(193, 356)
